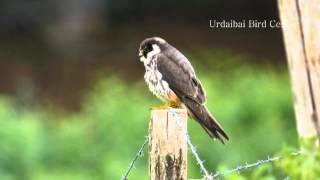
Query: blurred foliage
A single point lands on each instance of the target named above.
(303, 166)
(252, 103)
(300, 164)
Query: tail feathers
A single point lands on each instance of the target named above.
(200, 113)
(215, 134)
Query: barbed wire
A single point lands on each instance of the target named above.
(218, 174)
(192, 147)
(205, 173)
(138, 154)
(246, 166)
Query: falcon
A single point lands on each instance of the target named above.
(171, 77)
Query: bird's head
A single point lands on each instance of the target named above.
(150, 47)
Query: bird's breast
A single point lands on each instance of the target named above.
(155, 82)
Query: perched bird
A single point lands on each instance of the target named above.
(171, 77)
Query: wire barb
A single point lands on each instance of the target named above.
(205, 173)
(238, 169)
(138, 154)
(246, 166)
(207, 176)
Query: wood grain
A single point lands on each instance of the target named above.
(167, 146)
(300, 21)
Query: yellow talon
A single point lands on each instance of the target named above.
(165, 106)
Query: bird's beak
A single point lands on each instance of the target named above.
(140, 53)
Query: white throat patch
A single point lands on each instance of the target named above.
(156, 50)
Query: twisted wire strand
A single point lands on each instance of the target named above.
(138, 154)
(193, 149)
(204, 171)
(246, 166)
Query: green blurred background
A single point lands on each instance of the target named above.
(74, 105)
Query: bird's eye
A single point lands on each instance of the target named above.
(149, 47)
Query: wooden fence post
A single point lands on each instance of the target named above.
(167, 145)
(300, 20)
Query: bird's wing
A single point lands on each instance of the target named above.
(177, 71)
(179, 74)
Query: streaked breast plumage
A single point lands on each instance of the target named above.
(153, 78)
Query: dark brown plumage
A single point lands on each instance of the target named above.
(177, 72)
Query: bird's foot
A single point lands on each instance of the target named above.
(165, 106)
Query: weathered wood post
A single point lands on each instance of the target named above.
(167, 145)
(300, 20)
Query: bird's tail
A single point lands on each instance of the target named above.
(201, 114)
